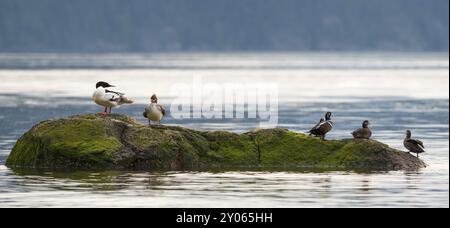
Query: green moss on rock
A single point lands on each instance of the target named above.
(119, 142)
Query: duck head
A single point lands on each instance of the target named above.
(103, 84)
(154, 99)
(408, 134)
(365, 124)
(328, 116)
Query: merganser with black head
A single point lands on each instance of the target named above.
(364, 132)
(108, 98)
(413, 145)
(322, 128)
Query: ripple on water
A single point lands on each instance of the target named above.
(301, 105)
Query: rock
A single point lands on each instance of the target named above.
(119, 142)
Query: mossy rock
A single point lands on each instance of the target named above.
(119, 142)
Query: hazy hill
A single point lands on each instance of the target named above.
(223, 25)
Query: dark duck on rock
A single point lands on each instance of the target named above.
(317, 125)
(323, 127)
(364, 132)
(413, 145)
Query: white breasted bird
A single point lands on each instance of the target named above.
(107, 98)
(154, 111)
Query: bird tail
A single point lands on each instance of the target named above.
(145, 114)
(125, 100)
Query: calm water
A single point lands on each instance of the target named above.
(394, 91)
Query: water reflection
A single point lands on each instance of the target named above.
(165, 188)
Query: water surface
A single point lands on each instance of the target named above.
(394, 91)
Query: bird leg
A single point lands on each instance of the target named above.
(417, 155)
(149, 123)
(104, 112)
(110, 110)
(159, 122)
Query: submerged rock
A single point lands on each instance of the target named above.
(119, 142)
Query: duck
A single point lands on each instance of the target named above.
(154, 111)
(320, 121)
(322, 128)
(413, 145)
(108, 98)
(364, 132)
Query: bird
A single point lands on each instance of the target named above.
(154, 111)
(107, 98)
(320, 121)
(322, 128)
(413, 145)
(364, 132)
